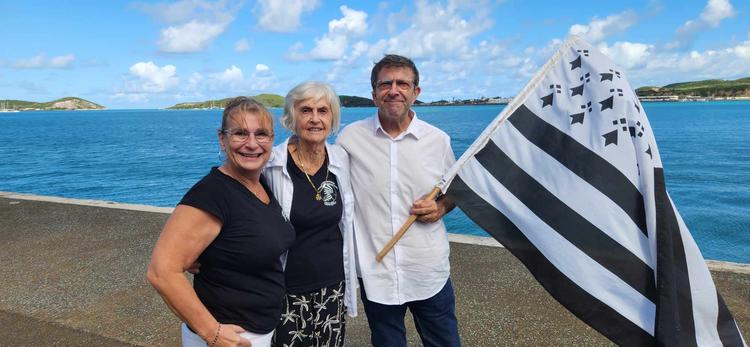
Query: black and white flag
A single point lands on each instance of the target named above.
(569, 179)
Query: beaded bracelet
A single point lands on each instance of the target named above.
(216, 337)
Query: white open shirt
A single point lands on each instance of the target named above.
(387, 175)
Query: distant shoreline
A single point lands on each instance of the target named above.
(643, 100)
(676, 98)
(506, 103)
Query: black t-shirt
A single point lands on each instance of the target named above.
(241, 280)
(316, 258)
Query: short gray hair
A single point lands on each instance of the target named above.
(311, 90)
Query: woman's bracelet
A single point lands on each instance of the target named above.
(216, 336)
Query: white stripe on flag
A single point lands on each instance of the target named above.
(572, 262)
(702, 288)
(586, 200)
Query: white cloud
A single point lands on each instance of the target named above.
(193, 36)
(742, 51)
(232, 81)
(335, 43)
(354, 23)
(282, 15)
(42, 62)
(599, 29)
(672, 66)
(711, 16)
(193, 24)
(62, 61)
(716, 11)
(627, 54)
(437, 31)
(241, 46)
(347, 63)
(439, 36)
(329, 48)
(231, 75)
(147, 77)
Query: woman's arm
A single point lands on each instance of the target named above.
(186, 234)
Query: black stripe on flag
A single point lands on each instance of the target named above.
(567, 222)
(675, 324)
(583, 162)
(729, 333)
(586, 307)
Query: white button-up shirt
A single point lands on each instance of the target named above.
(387, 175)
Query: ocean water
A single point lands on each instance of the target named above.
(153, 156)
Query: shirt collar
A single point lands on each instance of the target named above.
(278, 154)
(414, 129)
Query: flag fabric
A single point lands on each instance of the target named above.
(569, 179)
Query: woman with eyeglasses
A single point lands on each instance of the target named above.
(233, 226)
(311, 180)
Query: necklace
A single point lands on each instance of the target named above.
(318, 189)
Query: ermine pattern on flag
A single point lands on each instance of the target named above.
(569, 179)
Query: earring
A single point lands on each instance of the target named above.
(221, 157)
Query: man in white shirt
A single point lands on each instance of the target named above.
(395, 159)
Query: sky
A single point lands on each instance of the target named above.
(133, 55)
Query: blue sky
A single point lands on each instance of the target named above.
(125, 54)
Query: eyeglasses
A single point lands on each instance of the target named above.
(241, 135)
(402, 85)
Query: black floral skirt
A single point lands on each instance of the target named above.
(313, 319)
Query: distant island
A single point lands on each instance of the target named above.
(67, 103)
(355, 101)
(698, 91)
(497, 100)
(268, 100)
(706, 90)
(273, 100)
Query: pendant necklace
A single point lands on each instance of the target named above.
(318, 189)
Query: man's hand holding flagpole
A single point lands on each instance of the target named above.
(409, 221)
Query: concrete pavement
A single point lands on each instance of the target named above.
(74, 275)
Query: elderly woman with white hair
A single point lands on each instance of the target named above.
(310, 178)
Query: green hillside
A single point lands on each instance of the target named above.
(268, 100)
(201, 104)
(355, 101)
(705, 88)
(67, 103)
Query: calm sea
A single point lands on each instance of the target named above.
(153, 156)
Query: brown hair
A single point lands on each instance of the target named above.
(393, 60)
(241, 105)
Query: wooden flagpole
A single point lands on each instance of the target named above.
(409, 221)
